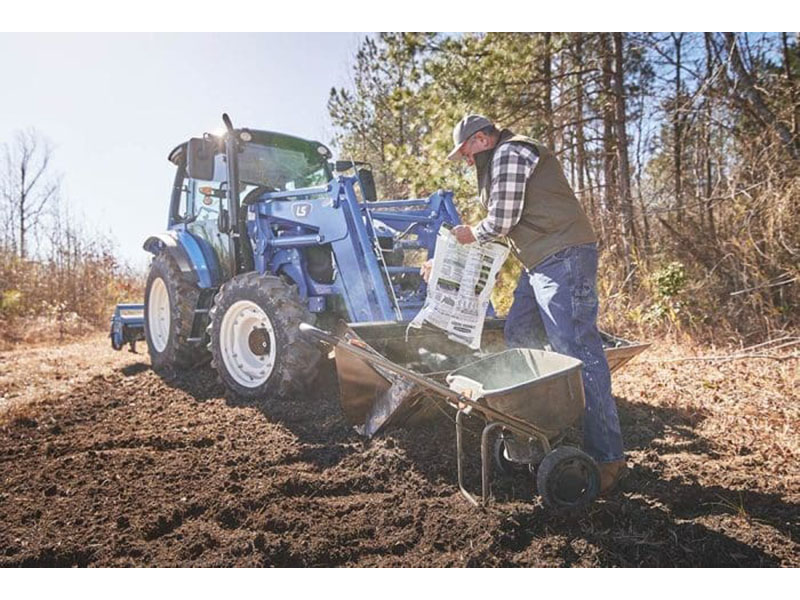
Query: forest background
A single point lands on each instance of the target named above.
(682, 147)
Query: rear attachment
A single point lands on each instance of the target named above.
(127, 326)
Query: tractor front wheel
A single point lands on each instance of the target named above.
(256, 345)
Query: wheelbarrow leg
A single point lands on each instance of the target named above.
(486, 462)
(460, 459)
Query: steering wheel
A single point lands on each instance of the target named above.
(252, 195)
(206, 209)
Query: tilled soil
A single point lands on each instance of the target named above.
(112, 465)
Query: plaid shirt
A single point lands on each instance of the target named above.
(511, 167)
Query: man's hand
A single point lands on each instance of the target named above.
(463, 234)
(425, 270)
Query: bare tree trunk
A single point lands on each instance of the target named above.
(638, 176)
(572, 175)
(752, 98)
(624, 180)
(596, 219)
(790, 80)
(547, 92)
(677, 132)
(609, 147)
(21, 202)
(579, 135)
(707, 150)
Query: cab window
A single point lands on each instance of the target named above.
(181, 205)
(208, 196)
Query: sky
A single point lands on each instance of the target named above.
(114, 105)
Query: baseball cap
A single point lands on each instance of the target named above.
(465, 129)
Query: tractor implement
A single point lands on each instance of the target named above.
(127, 326)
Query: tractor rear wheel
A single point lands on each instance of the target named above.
(256, 345)
(169, 303)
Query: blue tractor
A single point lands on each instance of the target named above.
(264, 232)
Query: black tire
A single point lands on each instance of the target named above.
(502, 464)
(178, 353)
(296, 361)
(568, 478)
(114, 338)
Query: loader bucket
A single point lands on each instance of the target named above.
(373, 398)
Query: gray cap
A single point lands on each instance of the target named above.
(465, 129)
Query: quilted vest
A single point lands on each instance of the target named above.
(552, 218)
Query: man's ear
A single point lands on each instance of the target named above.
(488, 141)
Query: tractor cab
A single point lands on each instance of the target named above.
(206, 204)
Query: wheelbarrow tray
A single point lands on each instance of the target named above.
(539, 387)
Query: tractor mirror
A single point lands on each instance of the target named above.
(367, 185)
(200, 160)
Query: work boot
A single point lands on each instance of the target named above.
(610, 475)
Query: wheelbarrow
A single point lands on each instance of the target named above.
(532, 394)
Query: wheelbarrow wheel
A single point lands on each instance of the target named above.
(568, 478)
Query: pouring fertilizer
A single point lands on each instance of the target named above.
(265, 233)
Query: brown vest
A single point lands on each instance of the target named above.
(552, 219)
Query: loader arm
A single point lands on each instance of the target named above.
(281, 224)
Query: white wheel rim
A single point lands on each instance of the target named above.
(243, 329)
(158, 314)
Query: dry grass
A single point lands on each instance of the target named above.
(31, 373)
(63, 297)
(747, 412)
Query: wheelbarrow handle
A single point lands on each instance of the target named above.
(333, 340)
(320, 334)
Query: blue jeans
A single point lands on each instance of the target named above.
(561, 293)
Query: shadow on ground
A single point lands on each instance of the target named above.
(651, 521)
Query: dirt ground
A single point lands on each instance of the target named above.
(104, 463)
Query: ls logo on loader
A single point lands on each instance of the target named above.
(301, 210)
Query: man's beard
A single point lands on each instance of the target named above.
(482, 160)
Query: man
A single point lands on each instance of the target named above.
(530, 202)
